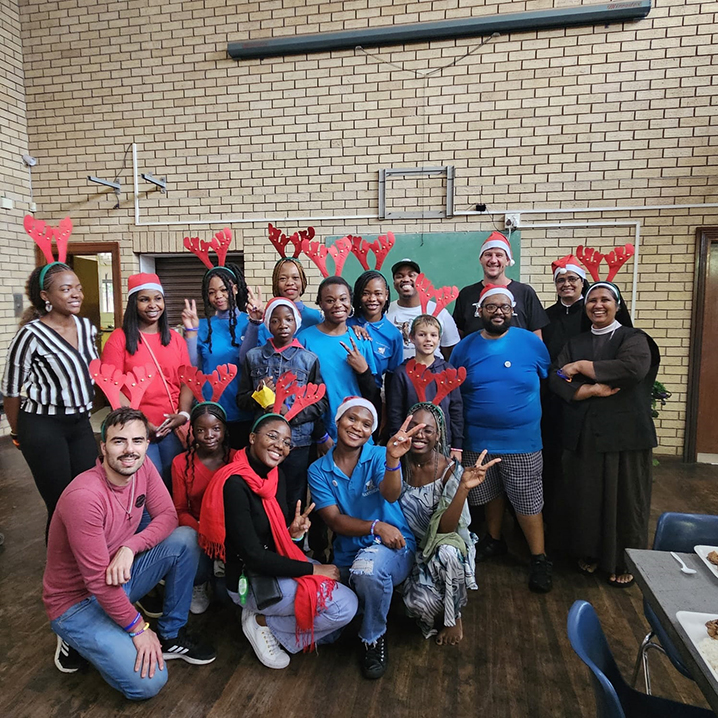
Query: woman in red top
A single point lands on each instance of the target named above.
(208, 450)
(146, 339)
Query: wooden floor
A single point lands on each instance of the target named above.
(515, 660)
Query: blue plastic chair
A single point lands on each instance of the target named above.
(614, 697)
(680, 533)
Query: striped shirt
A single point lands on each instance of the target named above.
(54, 375)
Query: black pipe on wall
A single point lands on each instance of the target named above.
(443, 30)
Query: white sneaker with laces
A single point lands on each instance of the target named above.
(265, 645)
(200, 599)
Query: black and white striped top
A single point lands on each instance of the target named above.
(54, 375)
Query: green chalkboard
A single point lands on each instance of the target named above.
(447, 258)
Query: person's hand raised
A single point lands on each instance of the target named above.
(476, 474)
(400, 443)
(190, 318)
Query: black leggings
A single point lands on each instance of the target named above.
(57, 449)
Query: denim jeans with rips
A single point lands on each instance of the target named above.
(89, 630)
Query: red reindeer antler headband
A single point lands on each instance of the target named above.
(304, 396)
(280, 240)
(615, 259)
(43, 234)
(442, 296)
(219, 380)
(219, 243)
(446, 381)
(112, 381)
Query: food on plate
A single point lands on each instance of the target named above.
(713, 557)
(712, 628)
(708, 648)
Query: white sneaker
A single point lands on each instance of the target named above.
(200, 599)
(265, 645)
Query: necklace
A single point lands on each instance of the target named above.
(418, 466)
(128, 509)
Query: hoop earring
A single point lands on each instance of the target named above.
(48, 307)
(351, 314)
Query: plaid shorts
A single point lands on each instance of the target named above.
(519, 475)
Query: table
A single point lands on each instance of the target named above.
(668, 591)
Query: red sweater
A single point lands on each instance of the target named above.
(187, 493)
(87, 529)
(155, 403)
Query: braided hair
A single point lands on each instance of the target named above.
(231, 276)
(360, 286)
(33, 289)
(131, 325)
(202, 409)
(278, 268)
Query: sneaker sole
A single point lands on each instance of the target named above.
(59, 665)
(257, 653)
(188, 659)
(198, 611)
(148, 614)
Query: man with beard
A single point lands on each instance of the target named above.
(502, 414)
(100, 560)
(495, 256)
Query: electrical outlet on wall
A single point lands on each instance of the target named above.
(17, 304)
(512, 220)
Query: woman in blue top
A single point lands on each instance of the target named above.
(290, 282)
(217, 338)
(371, 303)
(347, 362)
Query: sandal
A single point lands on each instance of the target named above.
(621, 584)
(587, 566)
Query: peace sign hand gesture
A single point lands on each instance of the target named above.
(400, 443)
(190, 319)
(476, 474)
(301, 522)
(355, 358)
(255, 305)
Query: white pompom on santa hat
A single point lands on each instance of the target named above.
(496, 240)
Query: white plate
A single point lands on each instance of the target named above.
(703, 552)
(694, 624)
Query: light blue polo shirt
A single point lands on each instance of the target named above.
(387, 344)
(358, 497)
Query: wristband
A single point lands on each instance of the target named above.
(142, 630)
(256, 322)
(392, 468)
(185, 414)
(300, 538)
(191, 329)
(460, 451)
(129, 626)
(377, 539)
(323, 440)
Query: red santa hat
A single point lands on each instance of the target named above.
(496, 240)
(569, 263)
(492, 289)
(138, 282)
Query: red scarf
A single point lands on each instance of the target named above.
(313, 592)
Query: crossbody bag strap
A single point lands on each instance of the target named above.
(160, 372)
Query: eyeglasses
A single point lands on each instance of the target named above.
(567, 280)
(274, 436)
(503, 308)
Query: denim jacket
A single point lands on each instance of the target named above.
(266, 361)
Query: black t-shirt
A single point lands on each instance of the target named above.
(528, 312)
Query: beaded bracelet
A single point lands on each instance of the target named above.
(129, 626)
(142, 630)
(391, 468)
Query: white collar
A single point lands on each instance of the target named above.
(610, 329)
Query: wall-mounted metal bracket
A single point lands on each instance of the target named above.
(446, 171)
(160, 182)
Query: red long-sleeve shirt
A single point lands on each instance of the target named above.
(88, 527)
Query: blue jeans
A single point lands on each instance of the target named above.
(161, 452)
(373, 575)
(89, 630)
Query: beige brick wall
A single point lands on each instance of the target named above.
(582, 117)
(16, 259)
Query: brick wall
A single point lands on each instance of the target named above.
(582, 117)
(15, 254)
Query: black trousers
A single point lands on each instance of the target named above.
(57, 449)
(295, 468)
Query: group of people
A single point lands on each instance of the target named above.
(364, 434)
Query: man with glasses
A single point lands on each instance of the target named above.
(502, 414)
(495, 257)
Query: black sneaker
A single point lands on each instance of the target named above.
(375, 659)
(540, 579)
(67, 659)
(151, 605)
(186, 648)
(489, 547)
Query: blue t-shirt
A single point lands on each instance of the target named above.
(358, 497)
(222, 353)
(502, 403)
(386, 343)
(340, 378)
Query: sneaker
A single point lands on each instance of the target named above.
(150, 605)
(67, 659)
(200, 599)
(376, 659)
(540, 579)
(489, 547)
(265, 645)
(184, 647)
